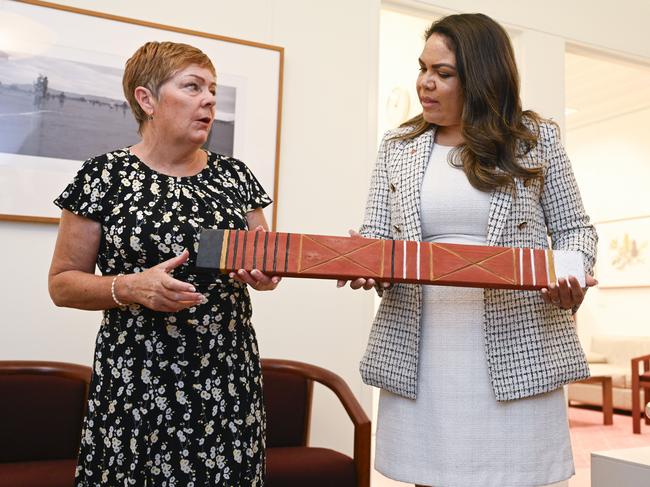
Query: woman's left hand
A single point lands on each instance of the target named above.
(567, 293)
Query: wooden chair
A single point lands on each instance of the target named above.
(41, 414)
(640, 381)
(288, 390)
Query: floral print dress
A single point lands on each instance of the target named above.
(175, 398)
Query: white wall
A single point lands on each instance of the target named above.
(401, 39)
(611, 160)
(328, 146)
(598, 23)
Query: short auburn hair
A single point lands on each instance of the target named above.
(153, 64)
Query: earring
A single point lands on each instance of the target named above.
(150, 116)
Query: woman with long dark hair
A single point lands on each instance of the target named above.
(472, 379)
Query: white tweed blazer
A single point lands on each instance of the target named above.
(531, 347)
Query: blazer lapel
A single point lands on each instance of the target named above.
(501, 202)
(413, 164)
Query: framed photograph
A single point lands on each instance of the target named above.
(623, 252)
(61, 99)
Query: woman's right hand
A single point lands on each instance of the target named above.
(156, 289)
(359, 283)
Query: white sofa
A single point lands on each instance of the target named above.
(610, 355)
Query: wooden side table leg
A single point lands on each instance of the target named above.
(608, 404)
(646, 400)
(636, 405)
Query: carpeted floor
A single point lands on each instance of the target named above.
(587, 434)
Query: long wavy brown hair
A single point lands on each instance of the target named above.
(496, 131)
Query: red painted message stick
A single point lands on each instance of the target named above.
(328, 257)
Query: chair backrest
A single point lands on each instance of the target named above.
(287, 401)
(288, 387)
(41, 409)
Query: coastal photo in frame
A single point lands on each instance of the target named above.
(61, 99)
(623, 252)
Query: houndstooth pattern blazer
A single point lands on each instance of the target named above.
(531, 347)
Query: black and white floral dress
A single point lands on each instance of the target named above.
(175, 398)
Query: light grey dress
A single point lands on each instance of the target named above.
(455, 434)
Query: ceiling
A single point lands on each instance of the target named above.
(598, 88)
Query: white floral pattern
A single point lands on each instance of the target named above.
(175, 398)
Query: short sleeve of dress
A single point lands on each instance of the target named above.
(86, 195)
(250, 188)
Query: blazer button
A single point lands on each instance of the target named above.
(397, 228)
(391, 186)
(527, 182)
(522, 225)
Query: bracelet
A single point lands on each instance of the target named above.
(117, 301)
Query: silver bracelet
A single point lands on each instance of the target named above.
(117, 301)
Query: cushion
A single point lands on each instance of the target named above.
(593, 394)
(596, 358)
(42, 415)
(619, 350)
(621, 376)
(304, 466)
(48, 473)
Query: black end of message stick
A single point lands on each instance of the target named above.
(210, 243)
